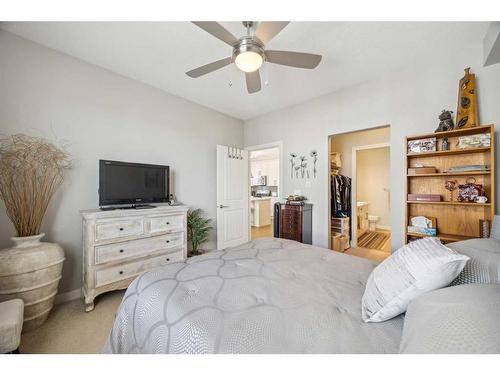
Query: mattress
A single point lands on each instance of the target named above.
(266, 296)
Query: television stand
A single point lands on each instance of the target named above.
(129, 242)
(132, 207)
(140, 206)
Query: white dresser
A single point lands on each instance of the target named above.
(119, 245)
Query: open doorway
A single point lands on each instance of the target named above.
(265, 181)
(371, 192)
(360, 193)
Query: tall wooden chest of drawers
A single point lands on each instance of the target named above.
(119, 245)
(295, 222)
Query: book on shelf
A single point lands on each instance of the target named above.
(424, 197)
(421, 170)
(468, 168)
(419, 230)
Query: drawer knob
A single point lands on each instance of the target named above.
(121, 272)
(121, 228)
(168, 259)
(121, 250)
(168, 223)
(168, 241)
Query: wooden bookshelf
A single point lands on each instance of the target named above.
(456, 221)
(454, 203)
(443, 236)
(450, 174)
(448, 152)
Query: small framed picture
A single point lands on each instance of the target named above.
(422, 145)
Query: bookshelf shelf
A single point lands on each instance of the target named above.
(450, 174)
(446, 203)
(448, 152)
(444, 236)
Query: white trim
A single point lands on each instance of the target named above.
(354, 198)
(68, 296)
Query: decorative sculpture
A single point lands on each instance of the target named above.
(446, 144)
(445, 121)
(467, 116)
(292, 163)
(314, 155)
(451, 185)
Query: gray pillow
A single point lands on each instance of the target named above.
(484, 263)
(460, 319)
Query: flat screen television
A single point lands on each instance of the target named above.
(122, 183)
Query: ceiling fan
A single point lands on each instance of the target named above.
(249, 52)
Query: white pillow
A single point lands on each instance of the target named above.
(416, 268)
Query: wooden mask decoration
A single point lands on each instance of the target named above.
(467, 102)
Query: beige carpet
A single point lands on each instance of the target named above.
(70, 329)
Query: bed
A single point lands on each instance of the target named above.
(266, 296)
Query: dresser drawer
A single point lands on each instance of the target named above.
(134, 248)
(107, 230)
(166, 223)
(128, 270)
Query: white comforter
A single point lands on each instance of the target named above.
(266, 296)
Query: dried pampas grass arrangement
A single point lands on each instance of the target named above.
(31, 170)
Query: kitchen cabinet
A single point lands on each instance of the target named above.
(269, 168)
(260, 211)
(272, 173)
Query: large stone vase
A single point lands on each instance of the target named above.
(31, 270)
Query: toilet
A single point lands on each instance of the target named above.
(372, 222)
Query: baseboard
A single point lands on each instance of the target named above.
(384, 227)
(68, 296)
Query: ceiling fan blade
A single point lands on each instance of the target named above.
(218, 31)
(268, 30)
(295, 59)
(209, 68)
(253, 81)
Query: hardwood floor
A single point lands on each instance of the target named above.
(265, 231)
(372, 254)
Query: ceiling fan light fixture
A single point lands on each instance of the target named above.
(248, 61)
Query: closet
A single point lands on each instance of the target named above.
(339, 205)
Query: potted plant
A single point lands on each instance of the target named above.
(197, 229)
(31, 170)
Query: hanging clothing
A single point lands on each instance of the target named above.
(341, 196)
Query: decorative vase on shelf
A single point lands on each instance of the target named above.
(31, 270)
(31, 170)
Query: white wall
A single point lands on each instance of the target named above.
(344, 143)
(101, 115)
(409, 100)
(373, 182)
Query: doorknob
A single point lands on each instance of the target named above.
(222, 206)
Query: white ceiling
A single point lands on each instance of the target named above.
(159, 53)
